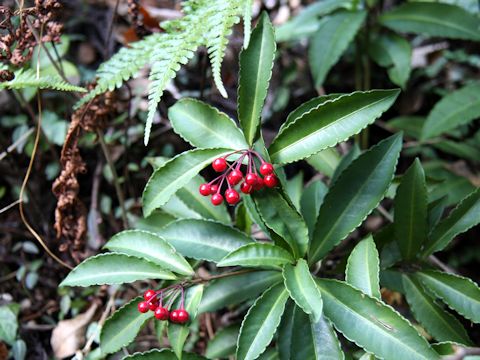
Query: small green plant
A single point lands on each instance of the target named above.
(292, 295)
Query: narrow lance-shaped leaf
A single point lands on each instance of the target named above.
(175, 174)
(363, 268)
(411, 220)
(331, 40)
(122, 327)
(442, 325)
(371, 324)
(434, 19)
(236, 289)
(203, 239)
(459, 293)
(311, 201)
(283, 219)
(463, 217)
(113, 268)
(151, 247)
(331, 122)
(256, 64)
(345, 162)
(354, 195)
(257, 255)
(302, 289)
(204, 126)
(261, 322)
(325, 161)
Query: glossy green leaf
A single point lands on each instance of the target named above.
(203, 126)
(345, 162)
(269, 354)
(434, 19)
(163, 354)
(177, 333)
(283, 219)
(463, 217)
(151, 247)
(457, 108)
(330, 41)
(459, 293)
(394, 53)
(300, 338)
(175, 174)
(371, 324)
(236, 289)
(439, 323)
(325, 161)
(261, 322)
(252, 211)
(363, 268)
(203, 239)
(257, 255)
(302, 289)
(330, 123)
(122, 327)
(256, 63)
(224, 343)
(294, 188)
(311, 201)
(411, 221)
(465, 150)
(157, 220)
(113, 268)
(9, 324)
(354, 195)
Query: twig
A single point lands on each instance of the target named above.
(436, 261)
(16, 143)
(214, 277)
(385, 213)
(10, 206)
(461, 353)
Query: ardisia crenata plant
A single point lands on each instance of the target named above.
(296, 302)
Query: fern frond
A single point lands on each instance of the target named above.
(221, 23)
(27, 78)
(122, 66)
(247, 22)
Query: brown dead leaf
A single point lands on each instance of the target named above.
(69, 335)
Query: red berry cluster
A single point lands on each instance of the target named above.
(154, 302)
(252, 181)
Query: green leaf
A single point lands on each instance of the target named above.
(256, 63)
(113, 268)
(163, 354)
(294, 188)
(8, 325)
(354, 195)
(411, 221)
(300, 338)
(459, 293)
(177, 334)
(261, 322)
(325, 161)
(283, 219)
(27, 78)
(149, 246)
(345, 162)
(331, 40)
(459, 149)
(371, 324)
(312, 198)
(122, 327)
(462, 218)
(302, 289)
(330, 123)
(204, 126)
(363, 268)
(433, 19)
(236, 289)
(175, 174)
(224, 343)
(457, 108)
(203, 239)
(257, 255)
(439, 323)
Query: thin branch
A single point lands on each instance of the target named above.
(12, 147)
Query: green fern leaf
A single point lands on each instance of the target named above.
(27, 78)
(247, 22)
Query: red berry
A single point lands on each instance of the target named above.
(251, 179)
(266, 168)
(217, 199)
(143, 307)
(270, 180)
(232, 196)
(204, 189)
(179, 316)
(219, 164)
(213, 189)
(259, 184)
(245, 188)
(234, 177)
(149, 295)
(162, 313)
(153, 305)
